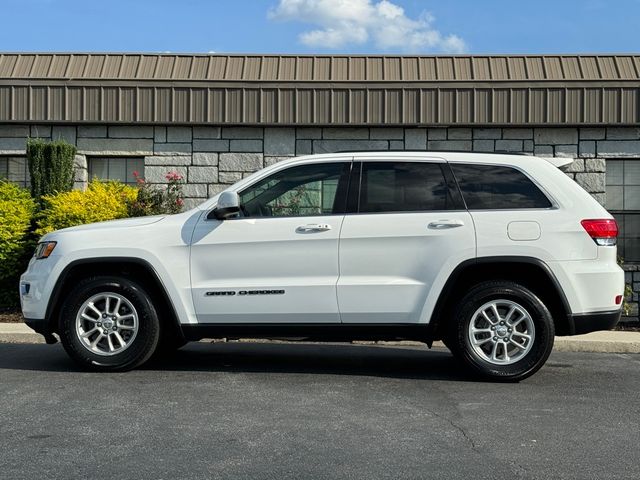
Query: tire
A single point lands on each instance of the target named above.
(135, 323)
(510, 346)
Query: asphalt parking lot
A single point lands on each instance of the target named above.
(276, 411)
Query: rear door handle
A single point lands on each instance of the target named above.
(445, 224)
(313, 227)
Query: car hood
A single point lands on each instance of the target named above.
(122, 223)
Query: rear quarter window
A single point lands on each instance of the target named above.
(496, 187)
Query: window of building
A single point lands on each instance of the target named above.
(15, 169)
(493, 187)
(116, 168)
(623, 201)
(305, 190)
(403, 187)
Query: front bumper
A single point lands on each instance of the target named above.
(592, 322)
(43, 327)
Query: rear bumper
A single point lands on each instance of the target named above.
(592, 322)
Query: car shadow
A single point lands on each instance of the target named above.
(282, 358)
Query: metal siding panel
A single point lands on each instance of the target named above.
(392, 68)
(593, 105)
(93, 69)
(128, 109)
(445, 68)
(287, 69)
(501, 106)
(393, 103)
(630, 111)
(163, 105)
(375, 107)
(483, 103)
(40, 104)
(499, 69)
(305, 106)
(21, 103)
(462, 67)
(112, 66)
(75, 104)
(535, 68)
(233, 113)
(305, 68)
(323, 106)
(129, 66)
(252, 68)
(429, 106)
(110, 104)
(93, 104)
(556, 105)
(464, 106)
(23, 66)
(181, 104)
(375, 70)
(7, 65)
(411, 107)
(5, 103)
(537, 105)
(358, 106)
(427, 68)
(217, 100)
(519, 105)
(270, 68)
(517, 68)
(340, 106)
(147, 67)
(199, 105)
(146, 102)
(269, 105)
(340, 69)
(199, 68)
(410, 69)
(57, 104)
(447, 106)
(287, 106)
(481, 68)
(611, 105)
(574, 103)
(252, 105)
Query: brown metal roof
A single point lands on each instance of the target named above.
(354, 68)
(320, 90)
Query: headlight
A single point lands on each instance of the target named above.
(44, 249)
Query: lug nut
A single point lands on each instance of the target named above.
(99, 324)
(493, 327)
(501, 323)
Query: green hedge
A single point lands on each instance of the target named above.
(50, 166)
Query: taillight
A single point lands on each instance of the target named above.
(603, 231)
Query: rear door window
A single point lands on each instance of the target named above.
(497, 187)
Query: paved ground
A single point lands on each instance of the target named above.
(313, 411)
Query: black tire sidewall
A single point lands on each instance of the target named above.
(542, 321)
(147, 336)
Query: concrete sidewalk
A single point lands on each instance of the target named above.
(602, 342)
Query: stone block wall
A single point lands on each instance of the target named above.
(211, 157)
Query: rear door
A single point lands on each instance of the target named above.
(407, 232)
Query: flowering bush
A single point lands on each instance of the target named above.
(153, 201)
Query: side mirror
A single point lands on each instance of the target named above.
(228, 206)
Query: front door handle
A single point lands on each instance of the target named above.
(444, 224)
(313, 227)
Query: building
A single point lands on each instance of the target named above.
(216, 118)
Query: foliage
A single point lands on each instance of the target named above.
(154, 201)
(50, 167)
(16, 211)
(628, 293)
(100, 202)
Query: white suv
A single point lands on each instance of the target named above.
(494, 254)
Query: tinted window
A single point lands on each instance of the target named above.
(492, 187)
(403, 187)
(305, 190)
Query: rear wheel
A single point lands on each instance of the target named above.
(502, 330)
(109, 324)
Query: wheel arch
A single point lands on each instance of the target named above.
(136, 269)
(530, 272)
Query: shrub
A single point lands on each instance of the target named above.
(50, 166)
(16, 245)
(101, 201)
(154, 201)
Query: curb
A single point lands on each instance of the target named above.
(596, 342)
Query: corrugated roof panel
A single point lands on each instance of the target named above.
(147, 66)
(164, 67)
(41, 66)
(535, 68)
(499, 70)
(589, 68)
(517, 68)
(270, 68)
(182, 67)
(287, 69)
(358, 69)
(445, 68)
(199, 105)
(129, 67)
(58, 66)
(626, 67)
(305, 106)
(411, 106)
(39, 103)
(462, 68)
(217, 67)
(199, 68)
(392, 70)
(252, 66)
(607, 67)
(93, 68)
(111, 67)
(429, 106)
(553, 68)
(375, 106)
(23, 66)
(574, 105)
(340, 106)
(235, 66)
(7, 64)
(358, 106)
(410, 70)
(427, 68)
(375, 70)
(146, 100)
(322, 68)
(305, 68)
(481, 68)
(571, 68)
(340, 69)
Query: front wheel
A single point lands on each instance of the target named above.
(502, 330)
(109, 324)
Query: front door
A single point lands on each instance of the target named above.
(410, 230)
(278, 261)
